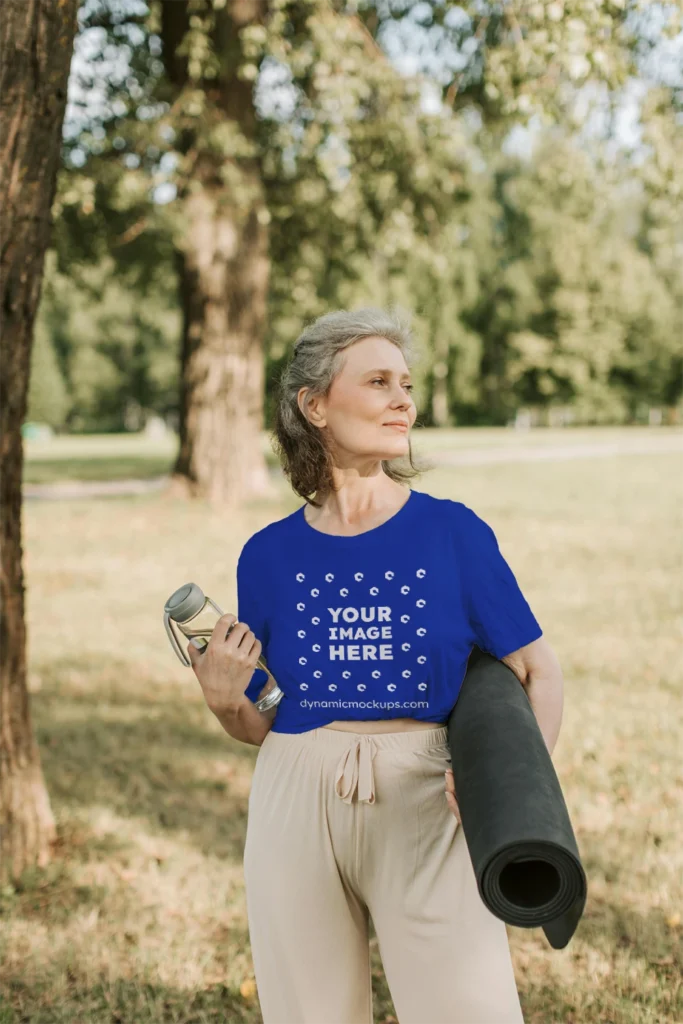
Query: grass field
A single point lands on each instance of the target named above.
(141, 918)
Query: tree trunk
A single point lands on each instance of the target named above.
(223, 281)
(223, 268)
(36, 37)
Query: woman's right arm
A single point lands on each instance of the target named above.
(224, 670)
(244, 722)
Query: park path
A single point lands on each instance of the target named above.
(555, 452)
(463, 457)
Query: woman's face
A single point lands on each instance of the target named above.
(372, 388)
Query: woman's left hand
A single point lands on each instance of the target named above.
(450, 793)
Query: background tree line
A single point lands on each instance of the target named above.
(547, 279)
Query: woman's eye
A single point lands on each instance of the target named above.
(409, 387)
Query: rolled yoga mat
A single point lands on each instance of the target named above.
(512, 810)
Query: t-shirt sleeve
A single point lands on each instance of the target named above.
(500, 616)
(250, 610)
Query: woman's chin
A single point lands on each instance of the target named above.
(395, 451)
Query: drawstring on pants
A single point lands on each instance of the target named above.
(354, 771)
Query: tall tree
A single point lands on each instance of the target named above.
(223, 262)
(290, 130)
(37, 43)
(300, 157)
(236, 187)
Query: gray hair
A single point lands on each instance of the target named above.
(317, 359)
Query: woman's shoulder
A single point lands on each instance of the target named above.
(457, 513)
(266, 541)
(468, 528)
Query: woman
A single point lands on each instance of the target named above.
(366, 604)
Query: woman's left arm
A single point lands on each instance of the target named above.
(537, 667)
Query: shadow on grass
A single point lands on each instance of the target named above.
(150, 754)
(610, 924)
(141, 758)
(142, 1001)
(121, 1001)
(643, 959)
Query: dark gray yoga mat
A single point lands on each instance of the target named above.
(513, 812)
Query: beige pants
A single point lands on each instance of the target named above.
(345, 825)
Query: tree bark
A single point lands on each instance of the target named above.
(223, 269)
(36, 37)
(223, 275)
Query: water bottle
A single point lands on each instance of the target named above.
(191, 615)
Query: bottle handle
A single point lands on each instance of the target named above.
(174, 641)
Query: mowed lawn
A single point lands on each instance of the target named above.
(141, 918)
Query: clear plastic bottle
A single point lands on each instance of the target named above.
(191, 615)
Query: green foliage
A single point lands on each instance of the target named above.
(112, 346)
(579, 314)
(48, 398)
(552, 281)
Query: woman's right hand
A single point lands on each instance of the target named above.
(225, 668)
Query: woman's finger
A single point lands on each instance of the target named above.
(450, 794)
(453, 804)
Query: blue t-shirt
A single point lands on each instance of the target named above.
(380, 625)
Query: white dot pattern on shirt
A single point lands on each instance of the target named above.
(403, 597)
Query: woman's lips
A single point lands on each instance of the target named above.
(397, 426)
